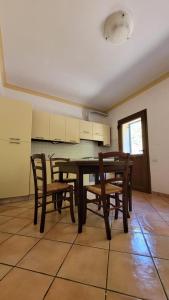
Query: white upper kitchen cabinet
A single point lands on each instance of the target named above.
(15, 120)
(98, 131)
(41, 125)
(86, 130)
(106, 135)
(72, 130)
(57, 128)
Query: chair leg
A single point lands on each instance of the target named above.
(108, 205)
(43, 214)
(71, 206)
(106, 219)
(85, 205)
(130, 199)
(75, 193)
(125, 214)
(36, 212)
(99, 205)
(117, 204)
(54, 199)
(59, 202)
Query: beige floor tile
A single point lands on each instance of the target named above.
(14, 225)
(4, 236)
(163, 269)
(159, 245)
(68, 290)
(132, 242)
(4, 219)
(34, 230)
(87, 265)
(145, 217)
(117, 296)
(133, 224)
(93, 237)
(53, 217)
(27, 204)
(21, 284)
(156, 227)
(46, 257)
(94, 220)
(12, 211)
(28, 214)
(66, 218)
(62, 232)
(134, 275)
(12, 250)
(4, 270)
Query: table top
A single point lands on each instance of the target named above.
(91, 162)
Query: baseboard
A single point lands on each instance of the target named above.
(161, 194)
(14, 199)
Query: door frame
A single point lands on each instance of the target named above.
(143, 115)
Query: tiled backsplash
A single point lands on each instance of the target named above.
(84, 149)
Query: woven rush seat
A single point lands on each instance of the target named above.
(56, 187)
(109, 189)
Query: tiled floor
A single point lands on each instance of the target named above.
(60, 264)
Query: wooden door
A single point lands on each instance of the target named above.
(133, 138)
(41, 125)
(57, 128)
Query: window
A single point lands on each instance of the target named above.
(132, 137)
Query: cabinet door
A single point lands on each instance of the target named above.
(15, 168)
(106, 135)
(57, 128)
(86, 130)
(97, 132)
(72, 130)
(15, 119)
(41, 125)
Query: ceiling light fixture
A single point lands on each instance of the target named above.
(118, 27)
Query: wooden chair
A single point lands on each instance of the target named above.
(44, 190)
(105, 189)
(55, 173)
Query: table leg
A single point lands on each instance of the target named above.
(80, 200)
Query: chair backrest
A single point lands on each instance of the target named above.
(54, 167)
(121, 161)
(38, 162)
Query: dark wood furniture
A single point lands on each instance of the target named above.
(44, 190)
(86, 166)
(106, 190)
(54, 168)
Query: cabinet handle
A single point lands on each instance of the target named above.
(39, 137)
(85, 131)
(14, 139)
(72, 141)
(57, 139)
(14, 142)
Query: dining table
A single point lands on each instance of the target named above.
(86, 166)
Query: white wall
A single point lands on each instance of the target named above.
(156, 101)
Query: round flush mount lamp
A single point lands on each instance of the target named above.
(118, 27)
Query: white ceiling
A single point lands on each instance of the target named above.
(57, 47)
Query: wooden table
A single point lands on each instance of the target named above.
(81, 167)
